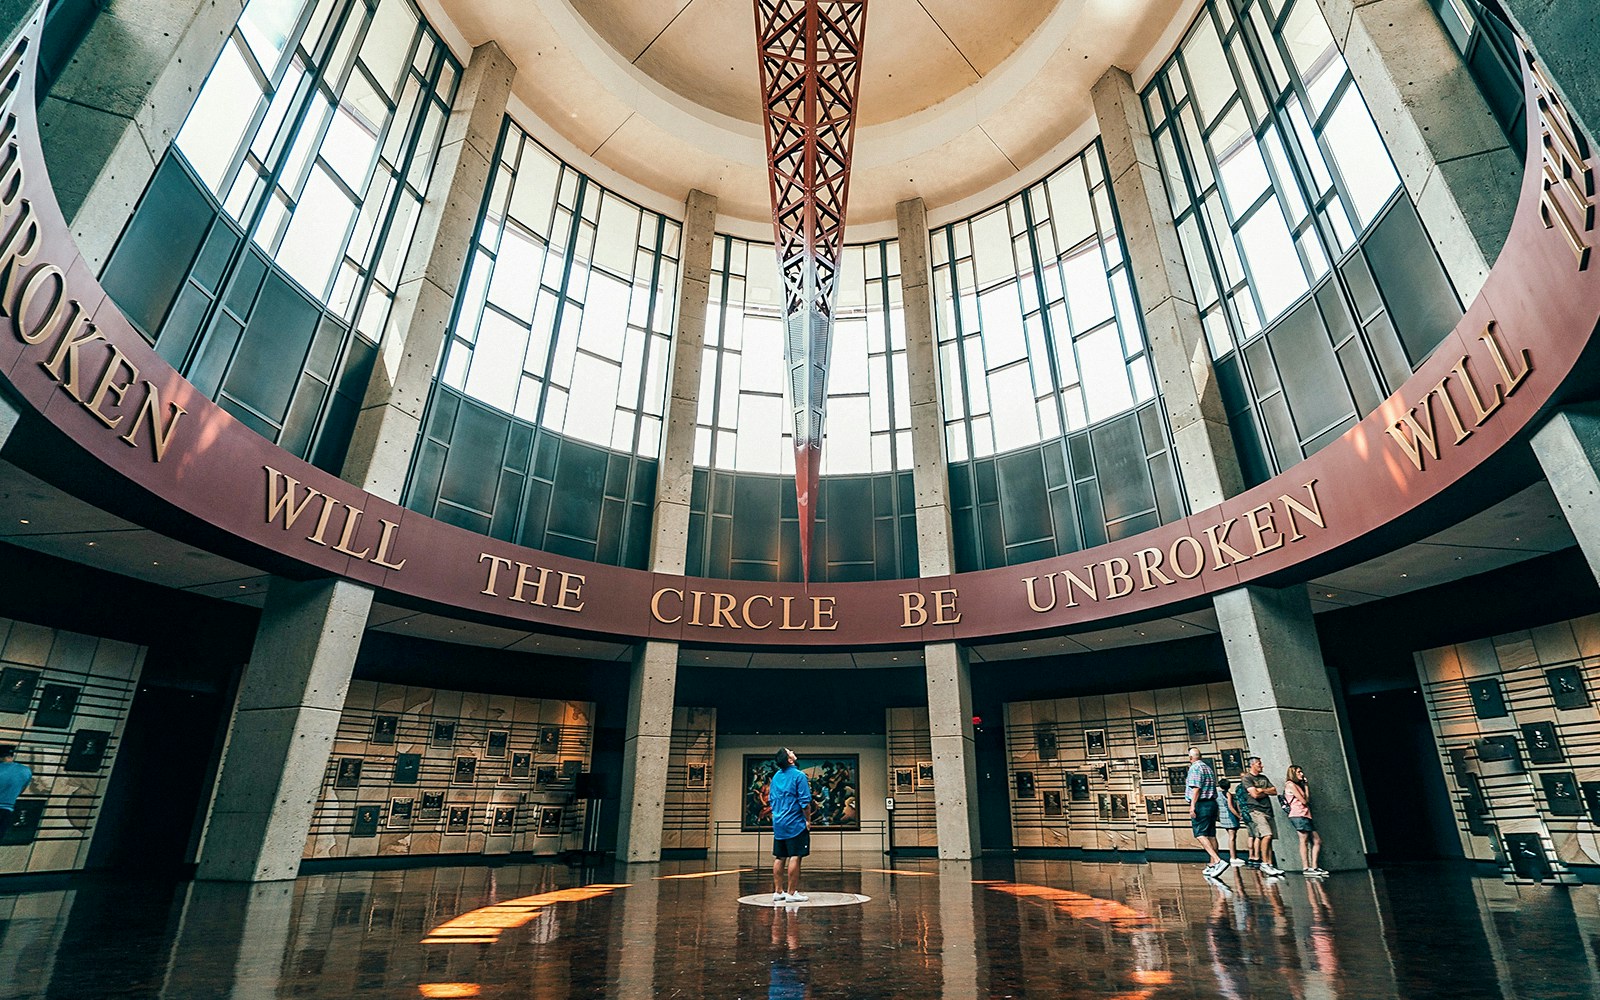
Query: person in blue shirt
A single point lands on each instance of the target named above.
(789, 797)
(14, 778)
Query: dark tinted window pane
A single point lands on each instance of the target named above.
(479, 440)
(270, 358)
(1311, 376)
(1022, 498)
(1421, 302)
(153, 256)
(1124, 474)
(580, 478)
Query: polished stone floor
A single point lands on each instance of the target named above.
(989, 929)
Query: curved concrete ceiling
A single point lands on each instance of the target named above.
(961, 102)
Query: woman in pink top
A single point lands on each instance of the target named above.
(1297, 795)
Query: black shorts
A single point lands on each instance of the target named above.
(797, 846)
(1204, 821)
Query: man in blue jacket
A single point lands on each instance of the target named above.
(789, 796)
(14, 778)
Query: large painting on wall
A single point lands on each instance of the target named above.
(835, 791)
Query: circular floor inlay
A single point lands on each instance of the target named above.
(814, 900)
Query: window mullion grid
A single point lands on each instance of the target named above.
(568, 258)
(455, 340)
(248, 227)
(1106, 269)
(1046, 327)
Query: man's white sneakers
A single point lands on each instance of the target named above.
(795, 897)
(780, 897)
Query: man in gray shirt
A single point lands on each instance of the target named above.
(1258, 811)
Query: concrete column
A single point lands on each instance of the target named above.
(1207, 462)
(283, 727)
(118, 105)
(1568, 449)
(669, 538)
(1290, 717)
(1562, 38)
(949, 673)
(1453, 159)
(391, 412)
(930, 473)
(646, 743)
(655, 664)
(955, 760)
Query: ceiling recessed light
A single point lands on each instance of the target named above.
(93, 544)
(26, 521)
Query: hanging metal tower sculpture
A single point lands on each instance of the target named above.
(810, 54)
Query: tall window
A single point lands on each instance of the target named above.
(565, 317)
(1317, 287)
(1272, 161)
(744, 419)
(305, 129)
(1038, 332)
(263, 258)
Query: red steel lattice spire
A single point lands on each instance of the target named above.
(810, 54)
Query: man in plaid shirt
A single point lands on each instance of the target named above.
(1200, 788)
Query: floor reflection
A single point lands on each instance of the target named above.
(992, 928)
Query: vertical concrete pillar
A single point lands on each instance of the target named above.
(1290, 717)
(1207, 462)
(949, 672)
(1568, 449)
(669, 539)
(955, 757)
(648, 736)
(391, 412)
(283, 727)
(1562, 38)
(930, 475)
(1452, 157)
(118, 105)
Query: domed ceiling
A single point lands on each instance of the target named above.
(962, 101)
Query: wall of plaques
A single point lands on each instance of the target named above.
(418, 771)
(911, 779)
(1106, 772)
(1517, 721)
(64, 698)
(686, 823)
